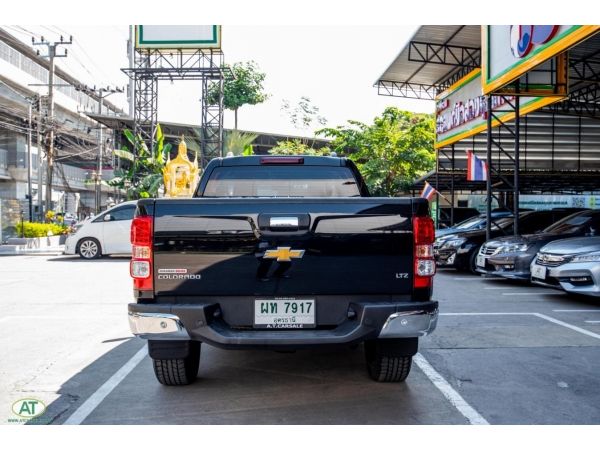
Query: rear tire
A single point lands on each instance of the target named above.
(385, 366)
(179, 371)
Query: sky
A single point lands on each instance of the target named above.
(335, 66)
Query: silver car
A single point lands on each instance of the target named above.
(570, 264)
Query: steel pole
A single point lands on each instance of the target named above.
(452, 191)
(488, 194)
(517, 165)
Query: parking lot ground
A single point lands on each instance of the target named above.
(503, 353)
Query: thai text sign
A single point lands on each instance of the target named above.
(461, 110)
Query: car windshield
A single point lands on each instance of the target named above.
(570, 224)
(470, 223)
(502, 223)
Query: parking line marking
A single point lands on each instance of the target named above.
(97, 397)
(592, 321)
(575, 310)
(541, 316)
(497, 288)
(520, 293)
(567, 325)
(448, 391)
(488, 314)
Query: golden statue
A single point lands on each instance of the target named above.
(181, 175)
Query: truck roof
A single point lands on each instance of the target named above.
(257, 160)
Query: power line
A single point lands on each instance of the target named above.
(90, 59)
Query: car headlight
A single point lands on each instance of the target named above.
(454, 243)
(516, 247)
(592, 257)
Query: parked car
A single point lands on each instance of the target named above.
(472, 223)
(106, 234)
(460, 250)
(511, 256)
(460, 215)
(571, 264)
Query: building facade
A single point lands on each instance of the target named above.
(24, 138)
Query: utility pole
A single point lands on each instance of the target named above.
(29, 158)
(101, 94)
(40, 172)
(131, 56)
(51, 50)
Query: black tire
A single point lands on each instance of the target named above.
(384, 366)
(89, 248)
(178, 372)
(473, 261)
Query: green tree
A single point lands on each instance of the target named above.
(303, 114)
(143, 178)
(243, 86)
(392, 152)
(297, 147)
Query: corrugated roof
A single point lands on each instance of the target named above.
(407, 68)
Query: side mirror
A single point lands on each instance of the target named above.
(107, 218)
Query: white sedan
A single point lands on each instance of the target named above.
(105, 234)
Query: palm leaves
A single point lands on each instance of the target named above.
(143, 178)
(239, 143)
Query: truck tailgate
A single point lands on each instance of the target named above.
(282, 247)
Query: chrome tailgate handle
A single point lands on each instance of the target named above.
(283, 222)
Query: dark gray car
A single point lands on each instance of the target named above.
(570, 264)
(511, 256)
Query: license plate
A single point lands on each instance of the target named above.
(538, 272)
(480, 261)
(284, 313)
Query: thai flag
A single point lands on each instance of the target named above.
(476, 168)
(428, 191)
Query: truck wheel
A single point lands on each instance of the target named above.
(386, 366)
(180, 371)
(89, 248)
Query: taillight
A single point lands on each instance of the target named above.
(424, 235)
(141, 253)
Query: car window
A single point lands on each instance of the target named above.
(469, 223)
(99, 218)
(570, 224)
(124, 213)
(281, 181)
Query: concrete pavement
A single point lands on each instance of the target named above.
(513, 353)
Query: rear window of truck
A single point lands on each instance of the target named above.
(281, 181)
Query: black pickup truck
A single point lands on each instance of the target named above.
(282, 253)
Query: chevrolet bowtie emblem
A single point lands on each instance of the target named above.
(284, 254)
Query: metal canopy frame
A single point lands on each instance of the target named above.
(154, 65)
(406, 90)
(568, 145)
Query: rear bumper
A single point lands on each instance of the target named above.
(198, 322)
